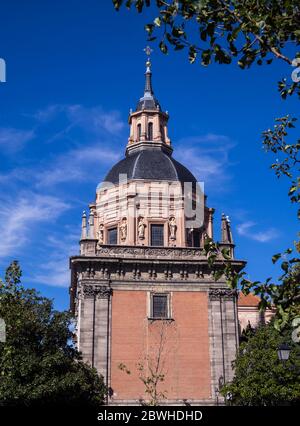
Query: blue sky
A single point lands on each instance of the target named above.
(74, 69)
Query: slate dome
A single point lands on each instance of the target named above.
(150, 164)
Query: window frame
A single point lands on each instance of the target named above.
(161, 226)
(108, 233)
(168, 307)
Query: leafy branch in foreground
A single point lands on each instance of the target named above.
(222, 30)
(284, 296)
(288, 158)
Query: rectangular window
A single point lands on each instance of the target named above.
(196, 238)
(157, 235)
(160, 306)
(112, 236)
(150, 131)
(192, 238)
(189, 237)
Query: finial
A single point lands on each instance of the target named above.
(226, 230)
(83, 226)
(148, 101)
(91, 224)
(148, 52)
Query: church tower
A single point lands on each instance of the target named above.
(142, 292)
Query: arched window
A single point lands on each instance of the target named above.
(139, 131)
(150, 131)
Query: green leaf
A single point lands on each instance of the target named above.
(163, 47)
(285, 266)
(149, 28)
(276, 257)
(206, 57)
(157, 21)
(192, 54)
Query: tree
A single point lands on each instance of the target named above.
(38, 364)
(224, 30)
(151, 368)
(260, 377)
(247, 333)
(243, 33)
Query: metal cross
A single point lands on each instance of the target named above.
(148, 50)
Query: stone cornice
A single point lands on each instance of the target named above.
(90, 250)
(151, 252)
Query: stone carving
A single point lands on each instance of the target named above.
(174, 252)
(100, 235)
(172, 227)
(99, 291)
(123, 229)
(224, 293)
(141, 229)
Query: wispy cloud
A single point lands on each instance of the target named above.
(73, 166)
(12, 140)
(92, 119)
(207, 156)
(86, 139)
(246, 229)
(18, 218)
(76, 165)
(95, 119)
(55, 272)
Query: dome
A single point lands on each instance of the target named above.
(150, 164)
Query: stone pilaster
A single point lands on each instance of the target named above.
(94, 326)
(223, 331)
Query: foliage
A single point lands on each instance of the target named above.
(151, 382)
(151, 378)
(288, 160)
(284, 295)
(38, 365)
(223, 30)
(247, 333)
(260, 377)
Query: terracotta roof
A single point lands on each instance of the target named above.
(249, 300)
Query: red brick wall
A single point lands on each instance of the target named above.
(184, 345)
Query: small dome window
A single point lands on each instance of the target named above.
(150, 131)
(139, 132)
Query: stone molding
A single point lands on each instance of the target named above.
(224, 293)
(155, 252)
(99, 291)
